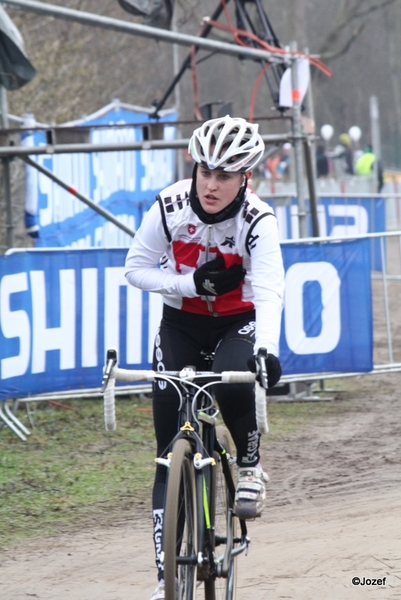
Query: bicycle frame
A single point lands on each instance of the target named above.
(197, 425)
(198, 449)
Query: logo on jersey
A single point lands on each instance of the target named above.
(252, 241)
(209, 287)
(191, 229)
(160, 364)
(248, 329)
(229, 241)
(252, 447)
(157, 533)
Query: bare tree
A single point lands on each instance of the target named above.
(349, 22)
(80, 69)
(393, 27)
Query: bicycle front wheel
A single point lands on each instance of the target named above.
(223, 585)
(180, 526)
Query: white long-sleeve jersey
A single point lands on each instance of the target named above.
(172, 242)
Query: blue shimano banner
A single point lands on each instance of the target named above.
(327, 320)
(338, 216)
(123, 182)
(60, 310)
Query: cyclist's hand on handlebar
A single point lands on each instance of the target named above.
(267, 366)
(213, 279)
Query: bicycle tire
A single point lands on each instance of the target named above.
(222, 588)
(180, 538)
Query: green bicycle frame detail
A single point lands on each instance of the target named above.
(206, 506)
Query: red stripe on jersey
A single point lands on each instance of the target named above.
(223, 306)
(188, 256)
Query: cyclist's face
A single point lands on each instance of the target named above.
(216, 189)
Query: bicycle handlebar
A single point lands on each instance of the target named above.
(185, 375)
(148, 375)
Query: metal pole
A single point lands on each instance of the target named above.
(177, 93)
(310, 156)
(386, 301)
(376, 145)
(101, 211)
(311, 113)
(144, 145)
(6, 171)
(164, 35)
(297, 135)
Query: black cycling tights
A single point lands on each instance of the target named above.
(180, 342)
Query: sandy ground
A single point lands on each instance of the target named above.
(333, 514)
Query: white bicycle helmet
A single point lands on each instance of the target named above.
(228, 143)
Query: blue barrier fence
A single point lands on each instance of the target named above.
(61, 309)
(338, 216)
(123, 182)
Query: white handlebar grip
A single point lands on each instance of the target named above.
(109, 406)
(237, 377)
(261, 410)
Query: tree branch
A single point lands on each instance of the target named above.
(327, 56)
(327, 50)
(373, 8)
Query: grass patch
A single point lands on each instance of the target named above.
(70, 470)
(71, 473)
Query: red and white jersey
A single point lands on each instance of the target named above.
(172, 242)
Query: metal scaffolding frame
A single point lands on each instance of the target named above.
(297, 137)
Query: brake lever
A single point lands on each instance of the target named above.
(111, 361)
(262, 371)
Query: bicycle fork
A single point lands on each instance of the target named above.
(204, 519)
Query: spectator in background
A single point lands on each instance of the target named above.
(278, 164)
(283, 166)
(364, 166)
(343, 157)
(272, 163)
(322, 163)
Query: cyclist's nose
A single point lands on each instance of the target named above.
(211, 183)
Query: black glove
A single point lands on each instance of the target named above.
(267, 366)
(213, 279)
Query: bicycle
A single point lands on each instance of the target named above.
(200, 542)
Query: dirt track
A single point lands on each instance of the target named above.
(333, 513)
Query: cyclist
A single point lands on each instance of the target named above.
(210, 246)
